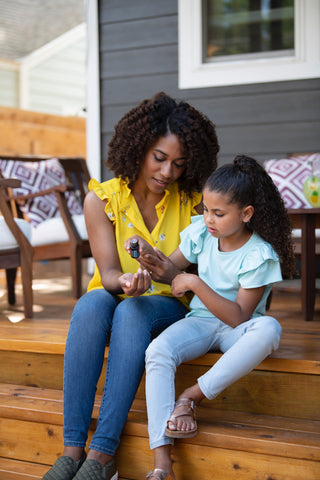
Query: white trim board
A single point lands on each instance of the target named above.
(305, 63)
(93, 91)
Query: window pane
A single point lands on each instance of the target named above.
(242, 27)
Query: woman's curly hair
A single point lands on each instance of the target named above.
(141, 127)
(246, 182)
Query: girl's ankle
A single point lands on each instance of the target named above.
(193, 393)
(162, 458)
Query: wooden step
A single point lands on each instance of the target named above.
(16, 470)
(239, 443)
(287, 387)
(298, 352)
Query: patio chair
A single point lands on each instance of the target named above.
(15, 249)
(55, 214)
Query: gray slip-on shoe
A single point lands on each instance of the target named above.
(64, 468)
(93, 470)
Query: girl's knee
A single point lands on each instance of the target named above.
(152, 351)
(271, 331)
(159, 352)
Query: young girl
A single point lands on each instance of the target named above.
(239, 243)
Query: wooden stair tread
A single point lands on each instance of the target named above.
(44, 400)
(271, 364)
(48, 341)
(223, 429)
(15, 469)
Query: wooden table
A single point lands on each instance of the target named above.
(307, 219)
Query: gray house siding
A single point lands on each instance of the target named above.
(139, 57)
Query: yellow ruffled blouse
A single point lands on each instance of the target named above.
(174, 214)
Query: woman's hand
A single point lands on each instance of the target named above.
(135, 284)
(144, 246)
(183, 283)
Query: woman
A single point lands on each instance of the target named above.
(161, 154)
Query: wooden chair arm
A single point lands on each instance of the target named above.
(7, 214)
(67, 218)
(10, 182)
(57, 188)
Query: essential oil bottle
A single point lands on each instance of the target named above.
(134, 248)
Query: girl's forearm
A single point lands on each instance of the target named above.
(226, 310)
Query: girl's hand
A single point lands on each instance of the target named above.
(161, 268)
(182, 283)
(135, 284)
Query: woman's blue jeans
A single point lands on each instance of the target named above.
(132, 324)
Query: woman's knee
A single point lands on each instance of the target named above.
(133, 307)
(94, 307)
(134, 316)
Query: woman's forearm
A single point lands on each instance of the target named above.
(110, 280)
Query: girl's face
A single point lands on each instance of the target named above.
(163, 164)
(224, 219)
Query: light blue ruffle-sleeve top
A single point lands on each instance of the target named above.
(253, 265)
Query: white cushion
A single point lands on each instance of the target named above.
(53, 231)
(7, 239)
(296, 233)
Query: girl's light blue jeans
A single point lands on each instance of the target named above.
(244, 347)
(131, 324)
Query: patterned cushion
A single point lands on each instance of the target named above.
(289, 175)
(36, 176)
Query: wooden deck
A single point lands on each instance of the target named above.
(266, 426)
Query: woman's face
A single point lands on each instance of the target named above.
(163, 164)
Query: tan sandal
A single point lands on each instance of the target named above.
(159, 474)
(186, 407)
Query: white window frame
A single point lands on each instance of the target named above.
(193, 73)
(93, 90)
